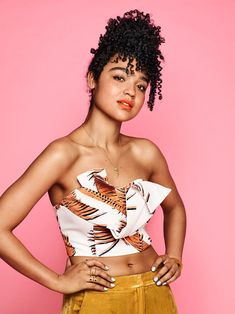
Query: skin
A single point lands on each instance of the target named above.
(55, 171)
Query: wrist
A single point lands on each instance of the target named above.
(177, 259)
(56, 284)
(60, 283)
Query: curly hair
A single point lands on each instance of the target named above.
(133, 36)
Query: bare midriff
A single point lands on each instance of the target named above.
(125, 264)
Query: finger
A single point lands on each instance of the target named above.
(100, 281)
(94, 286)
(157, 263)
(165, 259)
(173, 278)
(162, 271)
(94, 262)
(160, 262)
(104, 275)
(167, 276)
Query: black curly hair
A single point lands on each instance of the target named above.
(133, 36)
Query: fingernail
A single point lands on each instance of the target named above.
(158, 283)
(113, 279)
(155, 278)
(153, 268)
(112, 284)
(105, 288)
(106, 267)
(164, 283)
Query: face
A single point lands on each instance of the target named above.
(118, 94)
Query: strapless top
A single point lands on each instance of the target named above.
(98, 219)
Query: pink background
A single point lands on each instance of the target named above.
(43, 60)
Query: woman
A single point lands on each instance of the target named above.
(105, 187)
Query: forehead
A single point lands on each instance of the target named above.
(117, 63)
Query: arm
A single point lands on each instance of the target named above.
(173, 207)
(174, 218)
(17, 201)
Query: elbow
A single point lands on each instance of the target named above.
(178, 209)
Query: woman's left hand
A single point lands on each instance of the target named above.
(169, 272)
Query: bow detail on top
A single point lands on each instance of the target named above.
(122, 210)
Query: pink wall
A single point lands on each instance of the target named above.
(43, 60)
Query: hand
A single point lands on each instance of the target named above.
(78, 277)
(170, 270)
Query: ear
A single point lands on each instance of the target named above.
(90, 80)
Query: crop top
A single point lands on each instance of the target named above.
(98, 219)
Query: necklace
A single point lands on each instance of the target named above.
(104, 150)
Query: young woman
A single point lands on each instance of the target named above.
(105, 187)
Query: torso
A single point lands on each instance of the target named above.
(127, 264)
(131, 165)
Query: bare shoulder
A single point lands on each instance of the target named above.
(62, 149)
(148, 150)
(152, 158)
(43, 172)
(48, 166)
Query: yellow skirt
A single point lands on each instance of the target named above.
(132, 294)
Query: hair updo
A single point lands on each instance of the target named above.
(133, 36)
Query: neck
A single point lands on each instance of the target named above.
(104, 131)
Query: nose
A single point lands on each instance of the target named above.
(130, 90)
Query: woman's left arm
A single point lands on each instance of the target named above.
(174, 217)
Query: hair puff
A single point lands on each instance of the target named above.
(133, 36)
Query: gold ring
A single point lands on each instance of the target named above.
(93, 272)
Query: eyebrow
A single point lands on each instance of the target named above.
(144, 78)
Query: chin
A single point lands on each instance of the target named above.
(124, 117)
(121, 115)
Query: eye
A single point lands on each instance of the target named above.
(142, 88)
(118, 78)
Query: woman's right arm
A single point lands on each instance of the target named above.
(17, 201)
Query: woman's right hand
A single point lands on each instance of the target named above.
(77, 277)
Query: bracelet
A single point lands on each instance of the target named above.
(179, 262)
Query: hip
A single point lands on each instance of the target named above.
(136, 294)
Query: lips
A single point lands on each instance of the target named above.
(127, 103)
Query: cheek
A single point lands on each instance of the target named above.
(111, 87)
(141, 99)
(108, 91)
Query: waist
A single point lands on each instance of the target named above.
(126, 282)
(129, 264)
(143, 279)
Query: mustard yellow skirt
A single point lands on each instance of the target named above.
(132, 294)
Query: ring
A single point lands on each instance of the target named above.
(165, 266)
(94, 272)
(93, 278)
(166, 260)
